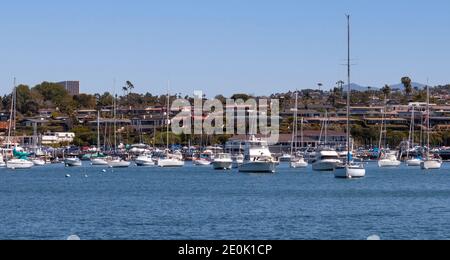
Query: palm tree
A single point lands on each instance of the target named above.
(407, 83)
(386, 90)
(129, 86)
(320, 86)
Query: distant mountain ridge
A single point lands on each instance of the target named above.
(357, 87)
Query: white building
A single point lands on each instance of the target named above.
(58, 138)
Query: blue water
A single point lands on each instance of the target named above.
(199, 203)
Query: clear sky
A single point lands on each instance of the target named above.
(226, 46)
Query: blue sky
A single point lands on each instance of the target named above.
(228, 46)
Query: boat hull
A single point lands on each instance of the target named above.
(224, 165)
(202, 163)
(144, 162)
(19, 164)
(431, 165)
(73, 163)
(99, 162)
(119, 164)
(414, 163)
(299, 164)
(325, 165)
(169, 163)
(350, 172)
(388, 163)
(258, 167)
(38, 162)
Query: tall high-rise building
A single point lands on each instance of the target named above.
(73, 87)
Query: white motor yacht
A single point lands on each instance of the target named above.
(326, 160)
(73, 162)
(171, 160)
(299, 162)
(145, 160)
(38, 162)
(99, 161)
(118, 163)
(238, 160)
(223, 161)
(389, 160)
(258, 158)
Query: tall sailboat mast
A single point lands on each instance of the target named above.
(168, 113)
(98, 131)
(11, 115)
(115, 117)
(428, 122)
(348, 90)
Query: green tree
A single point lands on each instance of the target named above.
(386, 90)
(407, 83)
(84, 101)
(23, 95)
(104, 100)
(244, 97)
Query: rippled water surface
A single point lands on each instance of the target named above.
(200, 203)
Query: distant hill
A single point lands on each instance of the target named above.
(360, 88)
(414, 84)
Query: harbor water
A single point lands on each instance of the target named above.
(200, 203)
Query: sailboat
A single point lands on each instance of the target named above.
(326, 158)
(99, 158)
(296, 160)
(429, 163)
(2, 161)
(37, 159)
(386, 157)
(349, 170)
(170, 160)
(412, 162)
(117, 162)
(20, 158)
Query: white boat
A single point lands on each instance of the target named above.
(38, 162)
(258, 158)
(205, 159)
(17, 164)
(285, 158)
(238, 160)
(326, 160)
(299, 163)
(414, 162)
(202, 162)
(73, 162)
(389, 160)
(170, 163)
(145, 160)
(99, 162)
(351, 171)
(431, 164)
(118, 163)
(2, 162)
(223, 161)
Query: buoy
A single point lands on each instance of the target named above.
(374, 238)
(73, 238)
(86, 176)
(68, 176)
(104, 170)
